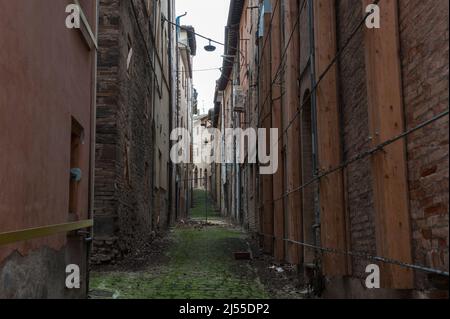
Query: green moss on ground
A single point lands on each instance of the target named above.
(203, 207)
(200, 265)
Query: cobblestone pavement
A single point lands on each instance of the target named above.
(195, 260)
(198, 264)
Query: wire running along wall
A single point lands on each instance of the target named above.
(343, 165)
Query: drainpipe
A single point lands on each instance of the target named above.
(178, 19)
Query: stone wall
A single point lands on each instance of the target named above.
(125, 208)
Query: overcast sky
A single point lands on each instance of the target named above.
(209, 18)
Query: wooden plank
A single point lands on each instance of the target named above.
(332, 207)
(278, 206)
(45, 231)
(383, 66)
(294, 231)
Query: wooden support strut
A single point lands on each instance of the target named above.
(278, 207)
(332, 206)
(384, 86)
(291, 103)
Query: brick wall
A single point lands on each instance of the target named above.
(123, 203)
(355, 131)
(424, 57)
(424, 35)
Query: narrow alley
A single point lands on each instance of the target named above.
(195, 260)
(198, 263)
(224, 150)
